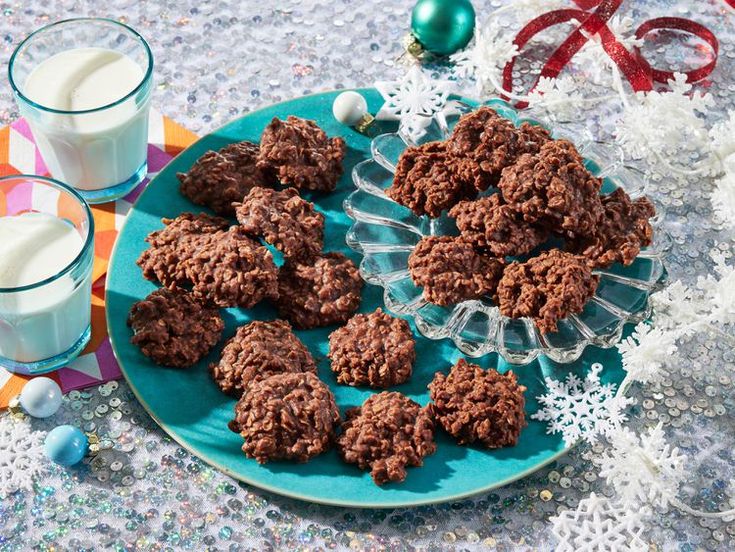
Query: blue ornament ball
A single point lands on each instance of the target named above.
(443, 26)
(66, 445)
(40, 397)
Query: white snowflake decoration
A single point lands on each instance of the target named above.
(646, 351)
(598, 525)
(559, 97)
(582, 409)
(719, 290)
(642, 469)
(413, 100)
(21, 455)
(657, 124)
(723, 199)
(722, 135)
(674, 307)
(485, 58)
(597, 63)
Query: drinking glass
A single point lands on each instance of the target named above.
(45, 324)
(102, 152)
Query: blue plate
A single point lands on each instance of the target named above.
(192, 410)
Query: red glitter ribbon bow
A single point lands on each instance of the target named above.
(633, 66)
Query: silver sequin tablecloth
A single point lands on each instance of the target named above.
(216, 59)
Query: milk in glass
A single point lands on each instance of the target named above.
(41, 322)
(95, 150)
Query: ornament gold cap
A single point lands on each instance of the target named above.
(364, 124)
(414, 48)
(97, 445)
(15, 410)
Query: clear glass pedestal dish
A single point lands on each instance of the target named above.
(385, 233)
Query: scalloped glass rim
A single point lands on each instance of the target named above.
(385, 233)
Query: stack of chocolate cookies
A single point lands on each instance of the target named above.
(510, 190)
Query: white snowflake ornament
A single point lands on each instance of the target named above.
(660, 125)
(723, 199)
(412, 100)
(722, 135)
(646, 351)
(559, 97)
(598, 525)
(21, 455)
(582, 409)
(642, 469)
(484, 58)
(719, 290)
(674, 307)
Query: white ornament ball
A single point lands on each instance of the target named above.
(40, 397)
(349, 107)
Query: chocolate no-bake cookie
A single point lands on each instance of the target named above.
(546, 288)
(301, 154)
(451, 271)
(220, 264)
(491, 225)
(624, 228)
(478, 406)
(220, 178)
(173, 329)
(554, 188)
(259, 350)
(286, 417)
(322, 291)
(233, 270)
(284, 220)
(492, 143)
(428, 180)
(373, 349)
(170, 249)
(385, 435)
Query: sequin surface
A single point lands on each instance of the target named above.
(218, 59)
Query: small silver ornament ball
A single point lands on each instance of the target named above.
(40, 397)
(349, 108)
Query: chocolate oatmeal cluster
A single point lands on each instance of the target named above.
(546, 288)
(286, 417)
(321, 292)
(492, 143)
(553, 188)
(373, 349)
(388, 433)
(301, 154)
(428, 181)
(495, 228)
(478, 406)
(259, 350)
(451, 271)
(219, 179)
(543, 191)
(220, 264)
(623, 230)
(173, 329)
(284, 220)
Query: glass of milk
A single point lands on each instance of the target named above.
(46, 256)
(84, 85)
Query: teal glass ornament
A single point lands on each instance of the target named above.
(443, 26)
(66, 445)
